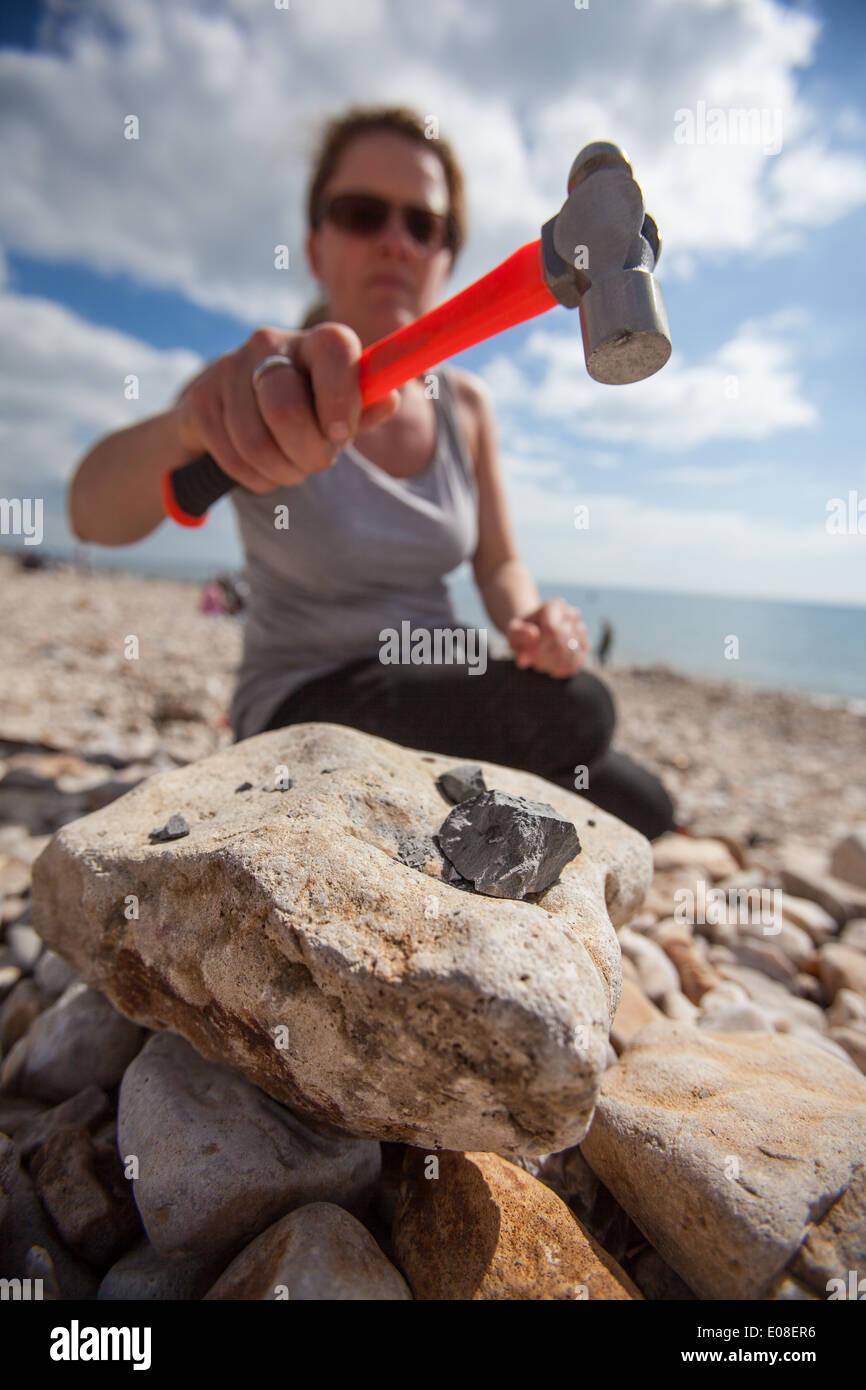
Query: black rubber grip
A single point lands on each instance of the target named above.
(198, 484)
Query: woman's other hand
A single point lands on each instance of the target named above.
(552, 640)
(279, 431)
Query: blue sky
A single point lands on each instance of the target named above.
(153, 257)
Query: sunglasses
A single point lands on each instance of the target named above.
(365, 214)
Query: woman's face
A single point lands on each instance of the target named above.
(378, 283)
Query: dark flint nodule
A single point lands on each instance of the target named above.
(456, 879)
(244, 787)
(508, 846)
(174, 829)
(459, 783)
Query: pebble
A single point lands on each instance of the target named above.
(723, 1148)
(26, 1224)
(317, 1253)
(842, 967)
(848, 857)
(143, 1274)
(82, 1188)
(88, 1108)
(25, 945)
(52, 974)
(634, 1013)
(80, 1039)
(218, 1159)
(21, 1007)
(478, 1227)
(657, 974)
(854, 934)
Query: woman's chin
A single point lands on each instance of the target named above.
(387, 318)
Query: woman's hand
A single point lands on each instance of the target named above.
(553, 639)
(277, 433)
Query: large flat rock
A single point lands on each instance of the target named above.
(728, 1150)
(308, 938)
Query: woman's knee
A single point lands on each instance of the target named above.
(632, 793)
(591, 710)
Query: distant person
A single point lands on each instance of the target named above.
(605, 642)
(382, 502)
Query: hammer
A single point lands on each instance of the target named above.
(597, 253)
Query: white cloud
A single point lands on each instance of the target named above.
(709, 549)
(62, 386)
(229, 97)
(751, 387)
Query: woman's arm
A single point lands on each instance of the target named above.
(114, 497)
(507, 588)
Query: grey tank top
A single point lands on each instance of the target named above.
(362, 551)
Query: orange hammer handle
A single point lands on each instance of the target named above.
(514, 291)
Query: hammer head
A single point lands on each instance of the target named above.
(599, 253)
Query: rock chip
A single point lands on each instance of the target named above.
(407, 1009)
(316, 1253)
(461, 783)
(508, 846)
(722, 1148)
(484, 1229)
(175, 828)
(218, 1160)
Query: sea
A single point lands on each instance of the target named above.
(815, 648)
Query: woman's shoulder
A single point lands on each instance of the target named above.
(472, 401)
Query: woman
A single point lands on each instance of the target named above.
(350, 518)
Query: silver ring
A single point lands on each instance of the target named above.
(573, 644)
(266, 364)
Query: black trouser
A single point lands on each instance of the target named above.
(516, 717)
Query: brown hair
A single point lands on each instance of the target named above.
(359, 120)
